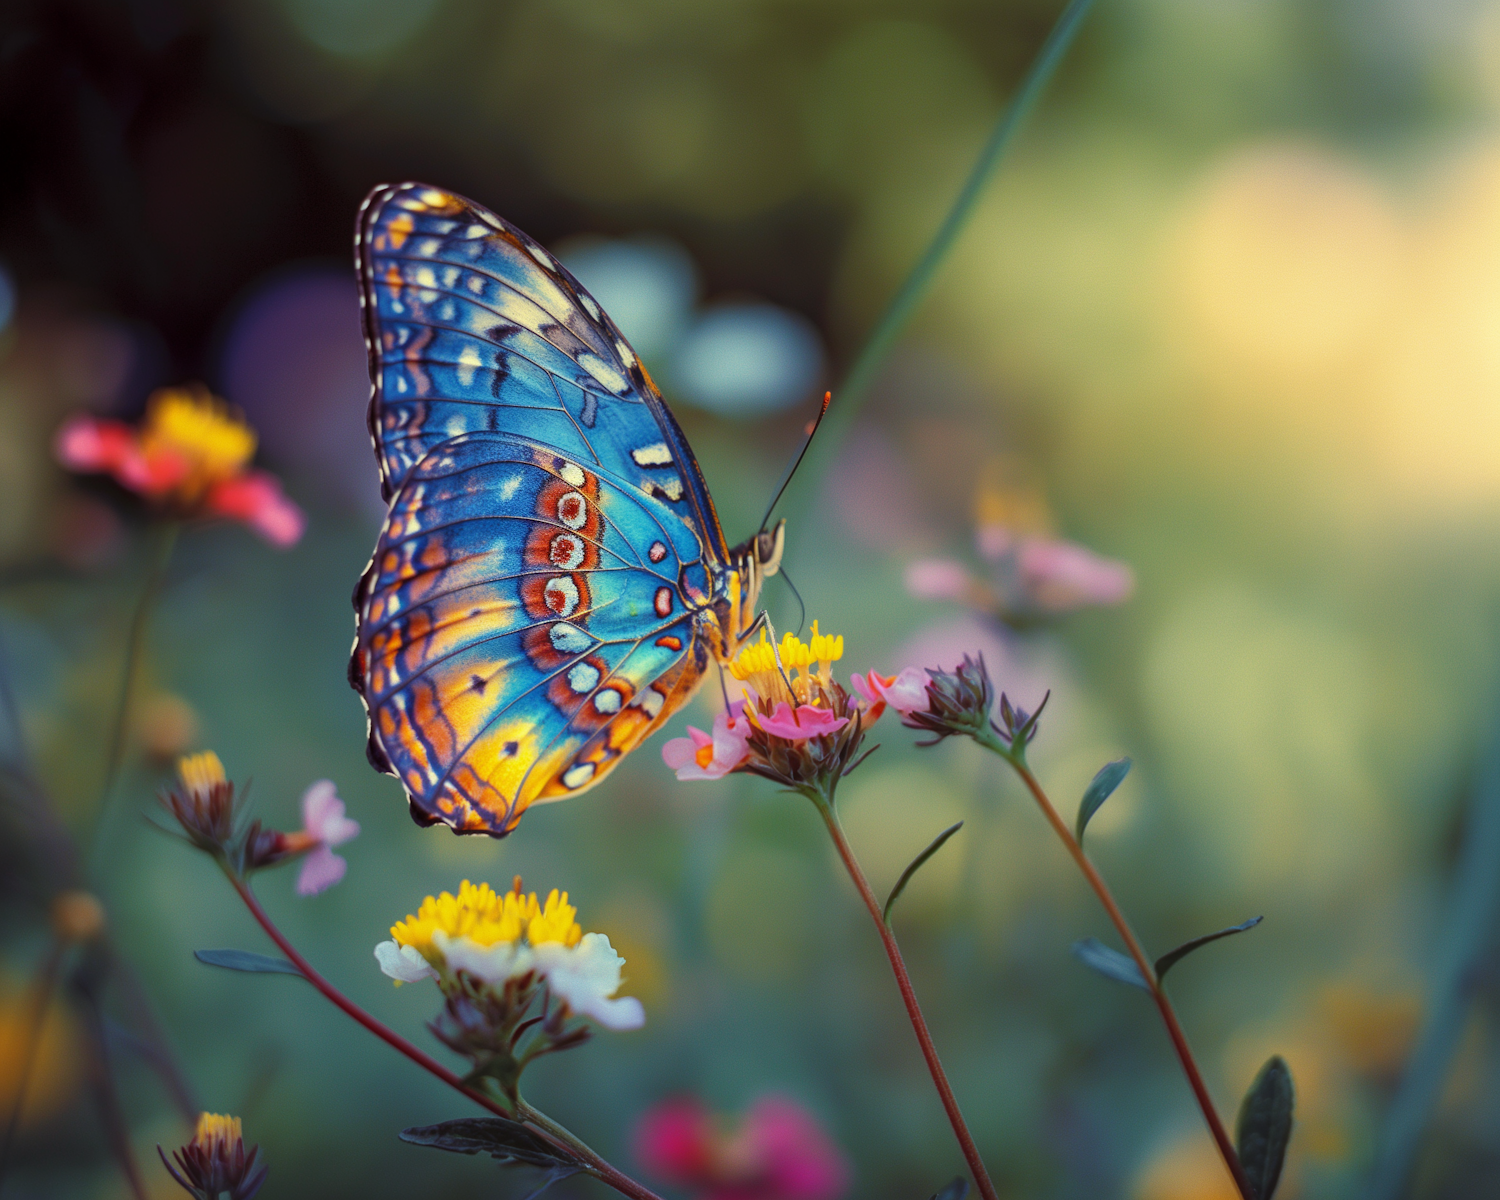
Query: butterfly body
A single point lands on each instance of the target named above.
(551, 581)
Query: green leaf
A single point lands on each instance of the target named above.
(1168, 960)
(1119, 967)
(508, 1142)
(1110, 776)
(1265, 1127)
(246, 960)
(956, 1190)
(915, 865)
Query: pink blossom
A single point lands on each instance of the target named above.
(256, 499)
(704, 756)
(906, 692)
(806, 721)
(324, 826)
(778, 1152)
(1061, 576)
(939, 579)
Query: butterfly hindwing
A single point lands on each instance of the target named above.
(524, 623)
(474, 326)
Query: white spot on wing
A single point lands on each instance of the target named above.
(576, 777)
(604, 372)
(650, 702)
(508, 488)
(607, 701)
(569, 639)
(654, 455)
(468, 362)
(572, 473)
(583, 678)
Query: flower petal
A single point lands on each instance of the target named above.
(797, 725)
(404, 964)
(256, 498)
(321, 869)
(493, 964)
(586, 976)
(323, 815)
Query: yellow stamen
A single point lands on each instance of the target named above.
(487, 917)
(757, 664)
(199, 772)
(216, 1131)
(195, 424)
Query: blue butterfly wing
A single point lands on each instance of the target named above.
(474, 326)
(527, 617)
(522, 627)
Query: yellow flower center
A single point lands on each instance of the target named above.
(786, 672)
(488, 917)
(199, 772)
(193, 423)
(215, 1132)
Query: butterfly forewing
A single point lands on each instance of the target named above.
(474, 326)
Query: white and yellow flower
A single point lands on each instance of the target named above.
(497, 936)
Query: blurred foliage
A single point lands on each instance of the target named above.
(1229, 314)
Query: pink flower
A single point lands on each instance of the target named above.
(779, 1151)
(191, 454)
(797, 725)
(906, 692)
(324, 826)
(1032, 577)
(704, 756)
(1061, 576)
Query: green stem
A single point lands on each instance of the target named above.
(1017, 759)
(1467, 937)
(850, 394)
(41, 996)
(135, 646)
(977, 1168)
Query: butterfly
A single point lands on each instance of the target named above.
(551, 581)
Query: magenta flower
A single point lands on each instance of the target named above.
(711, 756)
(795, 725)
(778, 1151)
(324, 826)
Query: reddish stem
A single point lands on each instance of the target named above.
(909, 998)
(1148, 973)
(597, 1166)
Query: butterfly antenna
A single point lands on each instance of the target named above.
(801, 607)
(812, 428)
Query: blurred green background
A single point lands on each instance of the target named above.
(1230, 313)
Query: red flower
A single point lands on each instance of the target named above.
(778, 1151)
(191, 455)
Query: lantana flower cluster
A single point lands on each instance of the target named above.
(796, 724)
(190, 456)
